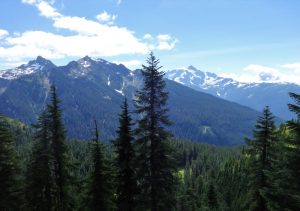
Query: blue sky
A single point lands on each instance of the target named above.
(235, 38)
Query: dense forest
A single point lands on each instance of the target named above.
(145, 167)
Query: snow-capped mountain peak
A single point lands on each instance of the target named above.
(85, 62)
(264, 91)
(31, 67)
(193, 77)
(40, 60)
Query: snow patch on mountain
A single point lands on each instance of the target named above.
(103, 61)
(82, 67)
(216, 84)
(194, 78)
(19, 71)
(26, 69)
(108, 80)
(268, 89)
(197, 79)
(119, 91)
(85, 64)
(79, 72)
(106, 97)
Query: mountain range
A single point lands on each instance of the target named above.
(254, 95)
(94, 89)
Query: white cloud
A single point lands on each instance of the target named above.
(80, 25)
(3, 33)
(119, 2)
(16, 33)
(29, 45)
(29, 2)
(57, 46)
(88, 37)
(36, 2)
(105, 17)
(166, 42)
(244, 77)
(44, 7)
(147, 37)
(166, 45)
(254, 68)
(254, 73)
(131, 64)
(294, 66)
(9, 65)
(163, 37)
(263, 73)
(47, 11)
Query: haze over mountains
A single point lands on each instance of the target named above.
(96, 88)
(255, 95)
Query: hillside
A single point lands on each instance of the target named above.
(92, 89)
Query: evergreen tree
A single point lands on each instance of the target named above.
(126, 188)
(292, 153)
(39, 178)
(231, 182)
(259, 149)
(276, 192)
(100, 190)
(187, 193)
(283, 192)
(9, 190)
(155, 163)
(212, 200)
(61, 198)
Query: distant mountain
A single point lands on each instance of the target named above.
(254, 95)
(26, 69)
(92, 89)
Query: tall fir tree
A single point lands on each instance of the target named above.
(156, 167)
(126, 181)
(212, 200)
(39, 178)
(259, 149)
(9, 189)
(100, 195)
(276, 192)
(59, 152)
(292, 154)
(283, 193)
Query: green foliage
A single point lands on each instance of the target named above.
(39, 178)
(59, 152)
(48, 173)
(201, 166)
(203, 118)
(259, 150)
(100, 194)
(151, 170)
(290, 183)
(275, 192)
(9, 184)
(212, 200)
(126, 180)
(155, 165)
(231, 180)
